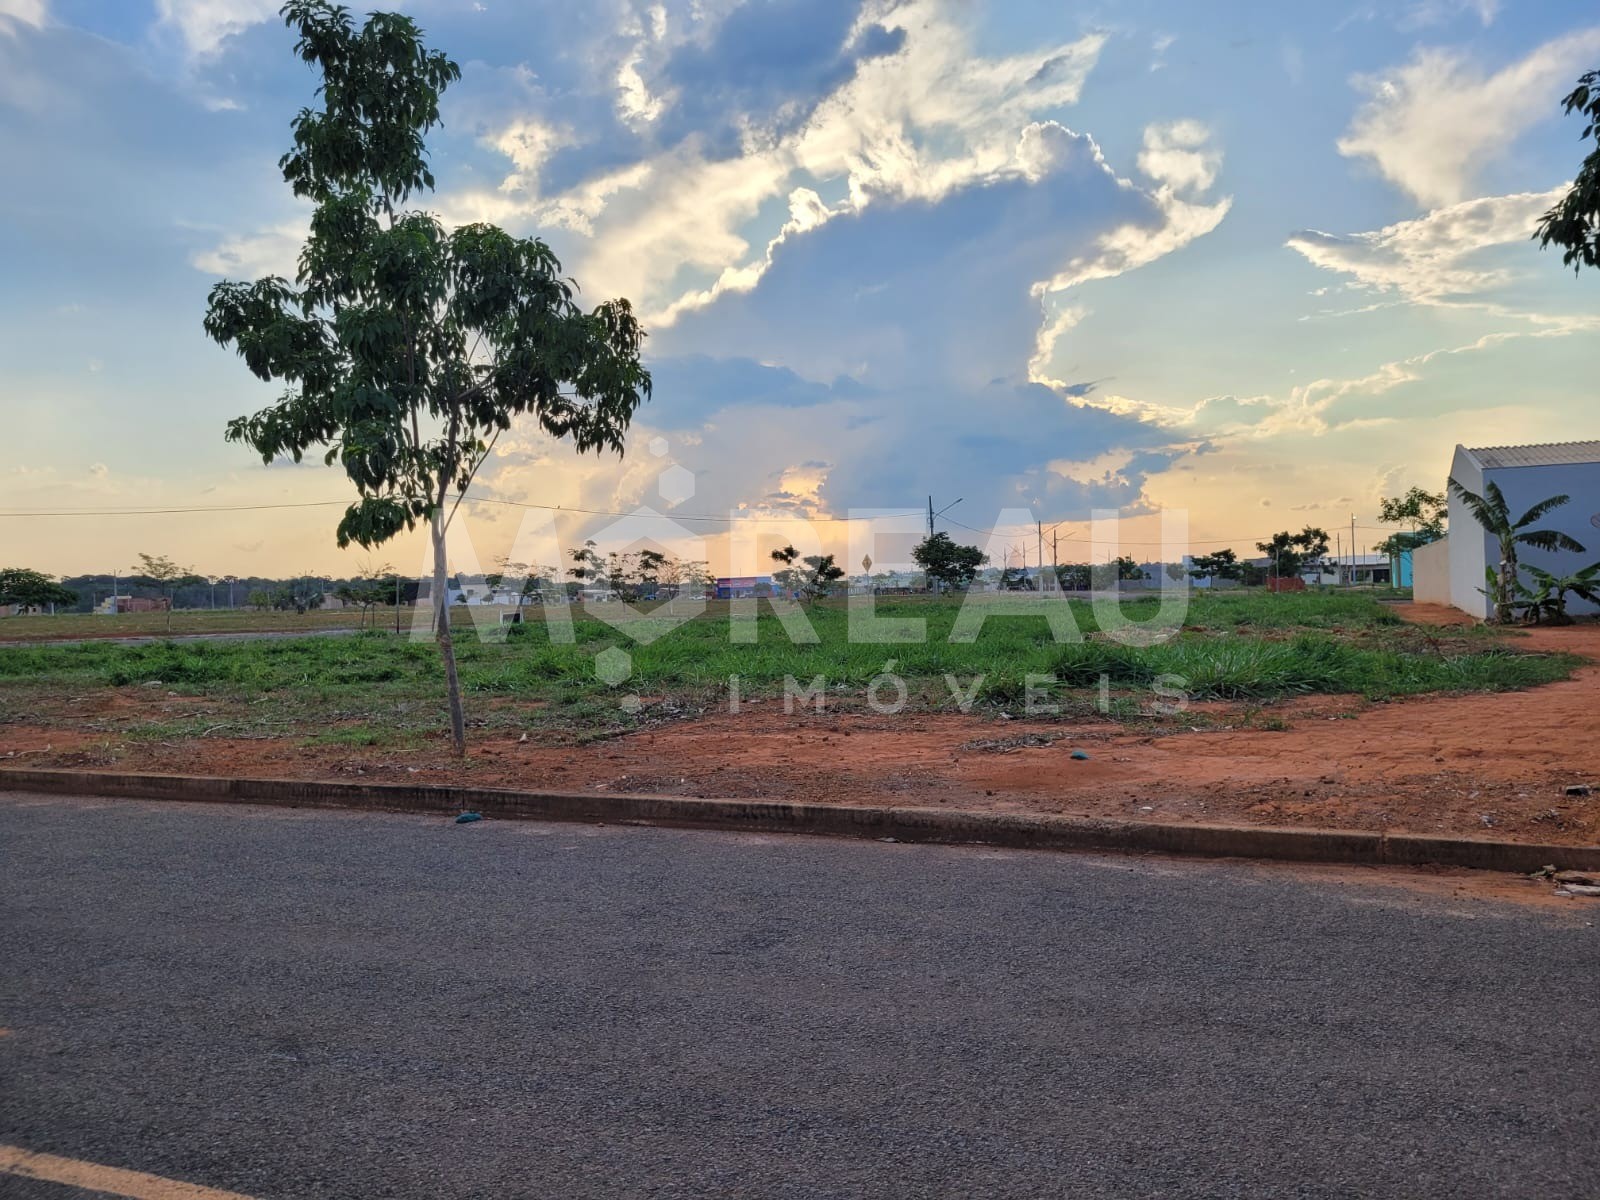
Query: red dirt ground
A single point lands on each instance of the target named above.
(1487, 765)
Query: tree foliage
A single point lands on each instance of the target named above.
(1421, 511)
(808, 577)
(406, 349)
(161, 572)
(946, 562)
(33, 589)
(1574, 223)
(1222, 564)
(1293, 554)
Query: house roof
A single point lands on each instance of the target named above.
(1540, 454)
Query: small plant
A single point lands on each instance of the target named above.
(1548, 599)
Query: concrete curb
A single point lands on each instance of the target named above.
(767, 816)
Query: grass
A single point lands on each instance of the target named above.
(371, 688)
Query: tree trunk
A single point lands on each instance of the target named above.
(1508, 589)
(447, 648)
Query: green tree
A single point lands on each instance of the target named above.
(407, 350)
(1574, 223)
(1492, 512)
(1292, 554)
(1222, 564)
(588, 567)
(162, 573)
(947, 563)
(808, 577)
(259, 599)
(1421, 511)
(1076, 577)
(32, 589)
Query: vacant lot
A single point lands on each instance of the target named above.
(40, 627)
(1312, 709)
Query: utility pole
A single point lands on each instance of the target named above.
(930, 516)
(1352, 547)
(1338, 554)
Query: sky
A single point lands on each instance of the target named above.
(1251, 265)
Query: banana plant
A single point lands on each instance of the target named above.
(1552, 589)
(1492, 512)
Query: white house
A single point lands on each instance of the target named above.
(1527, 475)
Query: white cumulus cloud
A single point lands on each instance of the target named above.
(1429, 125)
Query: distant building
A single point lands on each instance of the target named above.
(132, 604)
(1361, 570)
(743, 587)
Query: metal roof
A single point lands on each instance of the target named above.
(1540, 454)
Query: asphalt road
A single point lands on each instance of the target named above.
(298, 1004)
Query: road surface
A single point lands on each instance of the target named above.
(277, 1004)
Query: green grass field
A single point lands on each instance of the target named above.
(371, 687)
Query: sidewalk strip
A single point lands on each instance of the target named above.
(111, 1181)
(1022, 831)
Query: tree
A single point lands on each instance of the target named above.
(1293, 554)
(32, 589)
(371, 587)
(1422, 512)
(1077, 577)
(947, 563)
(161, 572)
(588, 567)
(1014, 579)
(1492, 512)
(1126, 568)
(407, 350)
(815, 576)
(1574, 223)
(259, 599)
(1222, 564)
(695, 579)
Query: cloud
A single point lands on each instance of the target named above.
(1426, 13)
(858, 103)
(1180, 155)
(913, 288)
(1436, 256)
(16, 13)
(205, 24)
(274, 251)
(1430, 125)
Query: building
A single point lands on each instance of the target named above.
(742, 587)
(132, 604)
(1362, 570)
(1526, 475)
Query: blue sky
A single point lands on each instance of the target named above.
(1259, 262)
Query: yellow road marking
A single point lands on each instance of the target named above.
(133, 1185)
